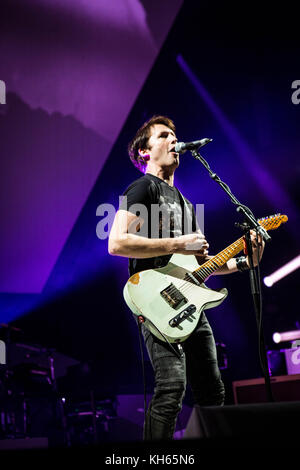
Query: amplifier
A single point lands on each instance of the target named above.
(265, 425)
(292, 357)
(284, 388)
(284, 361)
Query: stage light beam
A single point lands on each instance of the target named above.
(286, 336)
(282, 272)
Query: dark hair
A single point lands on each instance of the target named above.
(140, 140)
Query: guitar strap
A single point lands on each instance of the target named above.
(188, 211)
(186, 206)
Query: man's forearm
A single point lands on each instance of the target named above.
(134, 246)
(227, 268)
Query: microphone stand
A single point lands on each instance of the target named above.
(250, 222)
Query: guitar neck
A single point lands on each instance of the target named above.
(214, 263)
(205, 270)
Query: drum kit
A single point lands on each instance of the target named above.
(45, 394)
(31, 404)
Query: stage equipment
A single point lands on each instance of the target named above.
(31, 406)
(250, 223)
(286, 336)
(182, 147)
(284, 388)
(89, 422)
(267, 423)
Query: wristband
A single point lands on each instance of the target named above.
(241, 264)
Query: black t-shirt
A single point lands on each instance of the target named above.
(165, 214)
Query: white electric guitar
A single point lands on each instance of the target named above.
(171, 299)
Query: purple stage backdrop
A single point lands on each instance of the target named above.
(72, 71)
(81, 76)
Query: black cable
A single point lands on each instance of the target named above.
(166, 340)
(140, 321)
(258, 310)
(264, 364)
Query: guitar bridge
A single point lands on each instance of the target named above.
(186, 313)
(173, 296)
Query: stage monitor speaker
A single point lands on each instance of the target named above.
(26, 443)
(255, 422)
(284, 388)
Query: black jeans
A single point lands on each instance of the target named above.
(196, 361)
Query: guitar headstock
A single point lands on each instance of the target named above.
(273, 221)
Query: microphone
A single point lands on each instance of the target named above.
(181, 147)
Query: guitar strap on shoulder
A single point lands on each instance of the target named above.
(153, 191)
(187, 209)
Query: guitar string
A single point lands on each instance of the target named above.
(223, 255)
(221, 258)
(187, 285)
(206, 270)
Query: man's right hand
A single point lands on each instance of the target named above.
(130, 245)
(192, 244)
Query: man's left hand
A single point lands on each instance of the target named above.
(258, 244)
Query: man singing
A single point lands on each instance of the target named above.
(152, 151)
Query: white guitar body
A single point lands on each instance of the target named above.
(143, 295)
(171, 299)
